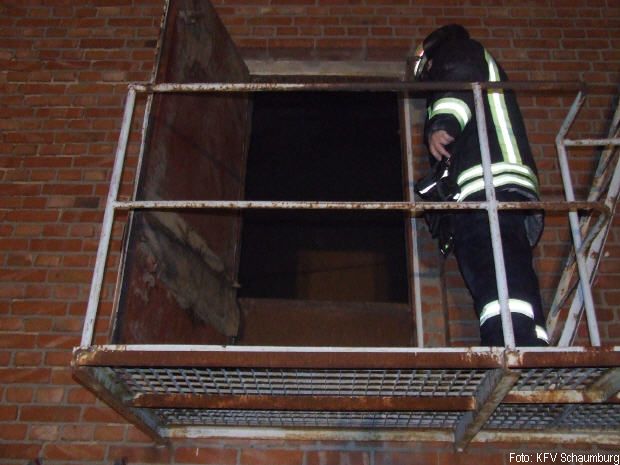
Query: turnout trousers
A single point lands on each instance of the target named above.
(474, 254)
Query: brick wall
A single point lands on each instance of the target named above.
(64, 66)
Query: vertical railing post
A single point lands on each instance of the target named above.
(414, 258)
(108, 221)
(496, 240)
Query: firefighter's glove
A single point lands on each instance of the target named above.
(439, 186)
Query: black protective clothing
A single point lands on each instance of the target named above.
(461, 59)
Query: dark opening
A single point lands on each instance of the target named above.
(328, 146)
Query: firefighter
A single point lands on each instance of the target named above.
(451, 135)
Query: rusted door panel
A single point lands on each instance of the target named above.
(182, 266)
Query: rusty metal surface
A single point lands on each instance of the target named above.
(291, 357)
(312, 205)
(491, 438)
(490, 394)
(592, 142)
(573, 217)
(607, 387)
(313, 403)
(109, 391)
(571, 417)
(349, 85)
(195, 148)
(308, 424)
(606, 356)
(560, 396)
(547, 436)
(304, 357)
(498, 404)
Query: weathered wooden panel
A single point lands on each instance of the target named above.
(182, 266)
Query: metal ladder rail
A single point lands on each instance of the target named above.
(607, 180)
(593, 259)
(600, 186)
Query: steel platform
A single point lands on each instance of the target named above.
(448, 394)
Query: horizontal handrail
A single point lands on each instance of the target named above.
(370, 205)
(352, 86)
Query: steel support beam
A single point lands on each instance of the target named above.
(490, 394)
(341, 358)
(288, 357)
(102, 382)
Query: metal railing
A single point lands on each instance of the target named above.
(113, 204)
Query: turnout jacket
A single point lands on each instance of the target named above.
(513, 166)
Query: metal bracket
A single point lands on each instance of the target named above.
(490, 394)
(102, 382)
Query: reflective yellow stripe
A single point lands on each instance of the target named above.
(541, 333)
(451, 106)
(497, 168)
(499, 112)
(498, 181)
(471, 181)
(491, 309)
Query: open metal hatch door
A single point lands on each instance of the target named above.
(180, 266)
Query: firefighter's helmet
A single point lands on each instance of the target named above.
(424, 52)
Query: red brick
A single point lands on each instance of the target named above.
(135, 454)
(62, 104)
(49, 414)
(406, 458)
(78, 432)
(39, 307)
(84, 451)
(270, 456)
(206, 456)
(50, 395)
(18, 341)
(109, 433)
(11, 324)
(56, 245)
(62, 377)
(80, 395)
(44, 432)
(485, 457)
(19, 450)
(332, 457)
(138, 436)
(23, 359)
(58, 341)
(13, 432)
(70, 276)
(19, 394)
(8, 413)
(101, 415)
(24, 275)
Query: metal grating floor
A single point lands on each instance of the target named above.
(557, 378)
(238, 382)
(545, 416)
(169, 390)
(308, 419)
